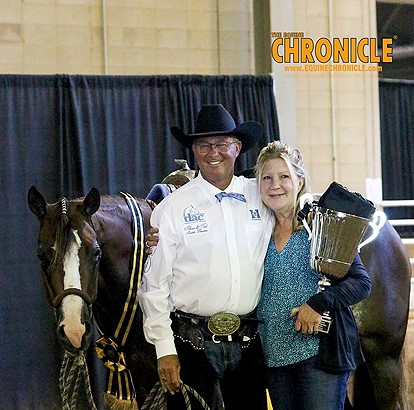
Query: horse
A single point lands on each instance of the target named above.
(98, 228)
(381, 383)
(91, 261)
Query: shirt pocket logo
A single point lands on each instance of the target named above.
(194, 220)
(255, 214)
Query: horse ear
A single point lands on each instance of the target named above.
(36, 202)
(91, 202)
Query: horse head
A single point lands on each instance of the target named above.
(69, 254)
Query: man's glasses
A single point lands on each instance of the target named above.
(204, 147)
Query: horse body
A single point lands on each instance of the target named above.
(382, 321)
(85, 247)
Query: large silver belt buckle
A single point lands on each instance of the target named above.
(223, 323)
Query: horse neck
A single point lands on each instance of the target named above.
(113, 228)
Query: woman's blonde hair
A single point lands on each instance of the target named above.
(294, 161)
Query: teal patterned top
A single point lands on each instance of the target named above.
(288, 282)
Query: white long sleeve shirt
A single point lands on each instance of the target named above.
(209, 258)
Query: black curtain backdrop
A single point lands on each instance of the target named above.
(397, 147)
(65, 134)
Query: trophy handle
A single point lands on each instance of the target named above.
(377, 222)
(306, 198)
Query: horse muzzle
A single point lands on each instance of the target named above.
(74, 318)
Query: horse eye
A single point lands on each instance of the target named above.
(43, 257)
(97, 253)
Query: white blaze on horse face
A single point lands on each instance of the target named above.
(72, 304)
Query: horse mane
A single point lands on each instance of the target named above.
(110, 202)
(61, 238)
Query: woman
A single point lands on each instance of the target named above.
(306, 369)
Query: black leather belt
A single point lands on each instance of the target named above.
(221, 327)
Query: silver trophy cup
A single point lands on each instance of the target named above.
(335, 238)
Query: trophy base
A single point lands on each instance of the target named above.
(325, 324)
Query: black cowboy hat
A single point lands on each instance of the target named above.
(214, 120)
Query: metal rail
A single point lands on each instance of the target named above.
(401, 222)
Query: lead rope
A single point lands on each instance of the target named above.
(156, 399)
(74, 370)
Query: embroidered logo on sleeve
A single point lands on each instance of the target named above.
(254, 213)
(194, 220)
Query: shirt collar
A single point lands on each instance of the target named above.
(210, 190)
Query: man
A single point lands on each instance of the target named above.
(202, 283)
